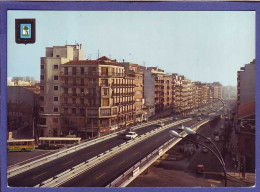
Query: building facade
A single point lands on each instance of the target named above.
(50, 90)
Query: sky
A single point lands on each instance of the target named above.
(206, 46)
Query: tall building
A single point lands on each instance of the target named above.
(246, 84)
(136, 71)
(20, 105)
(246, 116)
(50, 89)
(157, 91)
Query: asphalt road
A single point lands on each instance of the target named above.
(48, 170)
(100, 175)
(106, 172)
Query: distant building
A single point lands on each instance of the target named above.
(20, 106)
(137, 72)
(157, 91)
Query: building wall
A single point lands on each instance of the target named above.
(149, 89)
(246, 84)
(50, 88)
(20, 103)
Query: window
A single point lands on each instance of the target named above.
(42, 77)
(66, 80)
(66, 90)
(55, 66)
(105, 101)
(105, 92)
(57, 55)
(55, 88)
(74, 70)
(82, 70)
(41, 98)
(56, 99)
(42, 121)
(56, 77)
(74, 91)
(82, 90)
(41, 109)
(73, 110)
(42, 66)
(66, 110)
(42, 88)
(55, 110)
(65, 99)
(81, 101)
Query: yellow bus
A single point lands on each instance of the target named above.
(57, 142)
(20, 145)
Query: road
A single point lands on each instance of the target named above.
(102, 174)
(48, 170)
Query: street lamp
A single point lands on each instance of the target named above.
(192, 132)
(177, 135)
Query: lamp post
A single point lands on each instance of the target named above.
(192, 132)
(177, 135)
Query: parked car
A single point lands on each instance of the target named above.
(160, 124)
(200, 169)
(131, 135)
(204, 150)
(199, 119)
(217, 138)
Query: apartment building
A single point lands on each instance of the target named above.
(245, 126)
(137, 72)
(97, 97)
(157, 91)
(246, 84)
(176, 93)
(50, 89)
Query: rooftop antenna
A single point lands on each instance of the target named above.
(98, 53)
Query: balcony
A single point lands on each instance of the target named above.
(102, 112)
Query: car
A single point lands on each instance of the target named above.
(160, 124)
(204, 150)
(180, 127)
(216, 138)
(175, 118)
(207, 141)
(131, 135)
(199, 119)
(200, 169)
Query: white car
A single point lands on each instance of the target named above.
(216, 138)
(180, 127)
(204, 149)
(131, 135)
(160, 124)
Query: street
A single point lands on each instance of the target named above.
(176, 169)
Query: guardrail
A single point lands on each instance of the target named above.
(67, 175)
(20, 169)
(129, 175)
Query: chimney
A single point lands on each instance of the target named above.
(123, 60)
(80, 46)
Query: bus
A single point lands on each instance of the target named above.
(20, 145)
(57, 142)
